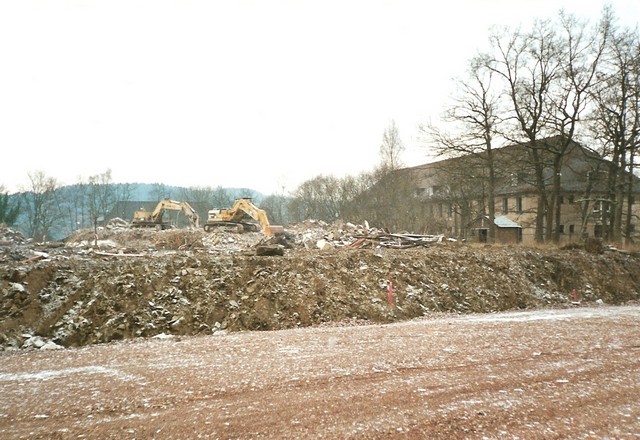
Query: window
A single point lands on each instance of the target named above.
(571, 198)
(572, 229)
(519, 204)
(450, 209)
(436, 190)
(505, 205)
(561, 229)
(597, 206)
(597, 231)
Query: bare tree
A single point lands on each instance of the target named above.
(124, 191)
(101, 197)
(198, 194)
(318, 198)
(547, 74)
(355, 198)
(276, 207)
(358, 198)
(615, 122)
(247, 193)
(389, 201)
(204, 198)
(74, 199)
(528, 66)
(475, 117)
(391, 148)
(40, 205)
(160, 191)
(580, 50)
(221, 198)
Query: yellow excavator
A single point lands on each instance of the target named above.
(155, 219)
(237, 218)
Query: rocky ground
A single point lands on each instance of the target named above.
(161, 334)
(125, 283)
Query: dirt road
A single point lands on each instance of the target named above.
(570, 373)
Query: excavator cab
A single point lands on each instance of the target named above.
(155, 219)
(236, 219)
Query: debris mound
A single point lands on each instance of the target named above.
(121, 283)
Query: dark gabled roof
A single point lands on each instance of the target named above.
(508, 152)
(514, 170)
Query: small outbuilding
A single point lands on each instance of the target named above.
(507, 231)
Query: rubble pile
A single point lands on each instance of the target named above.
(313, 234)
(10, 236)
(124, 283)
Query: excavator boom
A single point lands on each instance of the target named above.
(234, 218)
(155, 219)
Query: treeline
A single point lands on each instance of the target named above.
(562, 81)
(46, 210)
(563, 78)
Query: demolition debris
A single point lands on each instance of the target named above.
(136, 283)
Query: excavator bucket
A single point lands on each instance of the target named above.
(274, 230)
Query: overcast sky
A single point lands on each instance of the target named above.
(259, 93)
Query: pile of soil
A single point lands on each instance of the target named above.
(126, 283)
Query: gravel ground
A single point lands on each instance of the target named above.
(563, 373)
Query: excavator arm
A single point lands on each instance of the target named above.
(236, 214)
(173, 205)
(245, 206)
(155, 218)
(191, 214)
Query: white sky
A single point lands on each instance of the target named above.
(260, 94)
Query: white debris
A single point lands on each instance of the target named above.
(51, 346)
(18, 287)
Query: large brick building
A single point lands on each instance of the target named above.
(453, 194)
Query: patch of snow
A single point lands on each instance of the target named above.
(52, 374)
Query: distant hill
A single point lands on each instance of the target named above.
(150, 192)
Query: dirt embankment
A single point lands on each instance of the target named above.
(144, 283)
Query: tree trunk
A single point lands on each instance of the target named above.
(616, 227)
(628, 223)
(556, 199)
(492, 198)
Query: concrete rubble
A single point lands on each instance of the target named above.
(126, 283)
